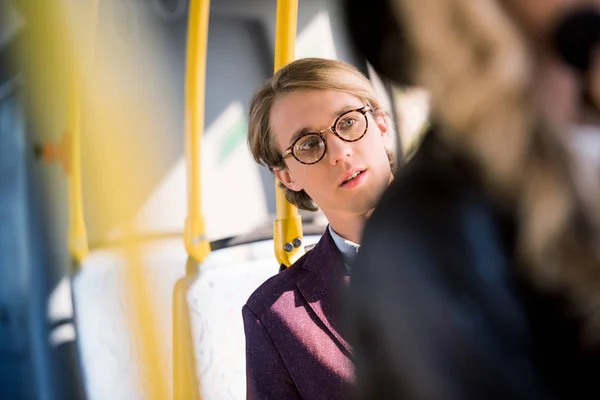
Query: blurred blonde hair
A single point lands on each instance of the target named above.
(304, 73)
(473, 60)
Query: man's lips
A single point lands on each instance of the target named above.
(351, 175)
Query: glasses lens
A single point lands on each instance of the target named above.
(351, 126)
(309, 149)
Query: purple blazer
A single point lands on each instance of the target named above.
(292, 322)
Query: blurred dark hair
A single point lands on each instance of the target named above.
(379, 38)
(475, 63)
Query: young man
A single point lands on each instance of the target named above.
(318, 125)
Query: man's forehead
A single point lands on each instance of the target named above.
(316, 95)
(308, 109)
(298, 107)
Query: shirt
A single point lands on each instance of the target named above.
(346, 247)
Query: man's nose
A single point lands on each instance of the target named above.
(337, 149)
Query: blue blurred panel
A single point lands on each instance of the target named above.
(13, 371)
(14, 363)
(12, 215)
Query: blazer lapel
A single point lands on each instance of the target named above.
(324, 284)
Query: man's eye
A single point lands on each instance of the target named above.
(346, 123)
(310, 144)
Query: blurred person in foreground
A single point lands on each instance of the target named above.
(479, 271)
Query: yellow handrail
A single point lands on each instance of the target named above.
(143, 323)
(68, 153)
(185, 381)
(78, 244)
(49, 23)
(196, 243)
(287, 230)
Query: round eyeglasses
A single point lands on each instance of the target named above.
(310, 148)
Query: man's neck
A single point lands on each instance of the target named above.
(349, 226)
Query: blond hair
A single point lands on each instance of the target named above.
(472, 58)
(305, 73)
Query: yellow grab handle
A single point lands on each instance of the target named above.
(196, 243)
(78, 244)
(185, 381)
(285, 32)
(287, 230)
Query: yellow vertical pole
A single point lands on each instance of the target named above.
(287, 231)
(143, 323)
(185, 381)
(195, 241)
(77, 236)
(78, 245)
(49, 26)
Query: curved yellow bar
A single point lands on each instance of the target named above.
(185, 381)
(78, 243)
(196, 243)
(287, 231)
(77, 236)
(49, 21)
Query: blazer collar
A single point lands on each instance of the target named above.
(324, 286)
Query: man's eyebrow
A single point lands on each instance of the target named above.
(300, 133)
(343, 110)
(334, 115)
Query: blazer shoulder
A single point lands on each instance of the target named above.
(310, 247)
(275, 287)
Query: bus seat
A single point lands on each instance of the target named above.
(227, 279)
(106, 344)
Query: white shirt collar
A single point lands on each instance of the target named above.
(346, 247)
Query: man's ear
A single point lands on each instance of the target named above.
(382, 124)
(285, 176)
